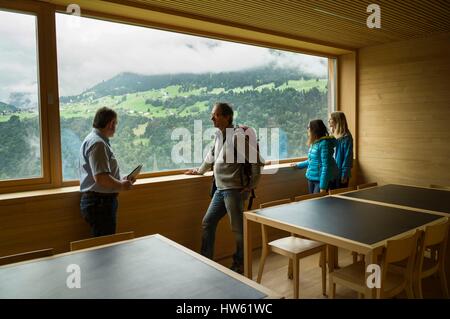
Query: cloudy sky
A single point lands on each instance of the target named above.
(90, 51)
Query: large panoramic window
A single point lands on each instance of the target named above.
(20, 146)
(163, 86)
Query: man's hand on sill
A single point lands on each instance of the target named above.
(192, 171)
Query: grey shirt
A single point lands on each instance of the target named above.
(96, 157)
(228, 169)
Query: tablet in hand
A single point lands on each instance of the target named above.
(135, 172)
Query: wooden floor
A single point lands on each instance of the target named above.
(275, 277)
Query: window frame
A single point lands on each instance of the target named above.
(41, 13)
(51, 157)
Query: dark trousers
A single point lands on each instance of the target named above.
(342, 185)
(100, 212)
(314, 186)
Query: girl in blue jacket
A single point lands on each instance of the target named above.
(344, 147)
(321, 169)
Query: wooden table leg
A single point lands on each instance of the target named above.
(372, 258)
(332, 253)
(248, 248)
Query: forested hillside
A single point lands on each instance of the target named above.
(151, 107)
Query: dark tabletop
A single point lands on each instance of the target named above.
(361, 222)
(146, 268)
(424, 198)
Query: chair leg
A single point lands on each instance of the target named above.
(290, 273)
(336, 259)
(409, 291)
(331, 287)
(355, 257)
(323, 266)
(296, 270)
(443, 279)
(418, 288)
(264, 254)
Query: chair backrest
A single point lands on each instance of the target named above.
(440, 186)
(26, 256)
(310, 196)
(275, 203)
(102, 240)
(436, 234)
(341, 190)
(398, 250)
(435, 237)
(367, 185)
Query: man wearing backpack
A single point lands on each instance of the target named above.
(236, 164)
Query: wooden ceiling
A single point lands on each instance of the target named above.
(340, 23)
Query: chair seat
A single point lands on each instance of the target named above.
(295, 245)
(355, 273)
(428, 264)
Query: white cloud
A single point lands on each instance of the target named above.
(18, 68)
(91, 50)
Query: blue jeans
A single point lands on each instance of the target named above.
(229, 201)
(100, 212)
(313, 186)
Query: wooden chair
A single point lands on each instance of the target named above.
(275, 203)
(102, 240)
(392, 282)
(26, 256)
(440, 187)
(367, 185)
(309, 196)
(435, 238)
(341, 190)
(294, 248)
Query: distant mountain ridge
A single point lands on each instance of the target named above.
(128, 82)
(4, 107)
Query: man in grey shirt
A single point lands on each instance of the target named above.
(226, 159)
(100, 179)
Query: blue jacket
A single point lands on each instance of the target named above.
(344, 155)
(320, 163)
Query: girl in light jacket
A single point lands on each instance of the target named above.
(344, 147)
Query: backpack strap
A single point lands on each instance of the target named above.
(250, 200)
(235, 158)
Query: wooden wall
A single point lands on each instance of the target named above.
(347, 89)
(404, 112)
(172, 206)
(346, 101)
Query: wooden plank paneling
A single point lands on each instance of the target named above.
(341, 22)
(173, 208)
(347, 101)
(347, 89)
(404, 112)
